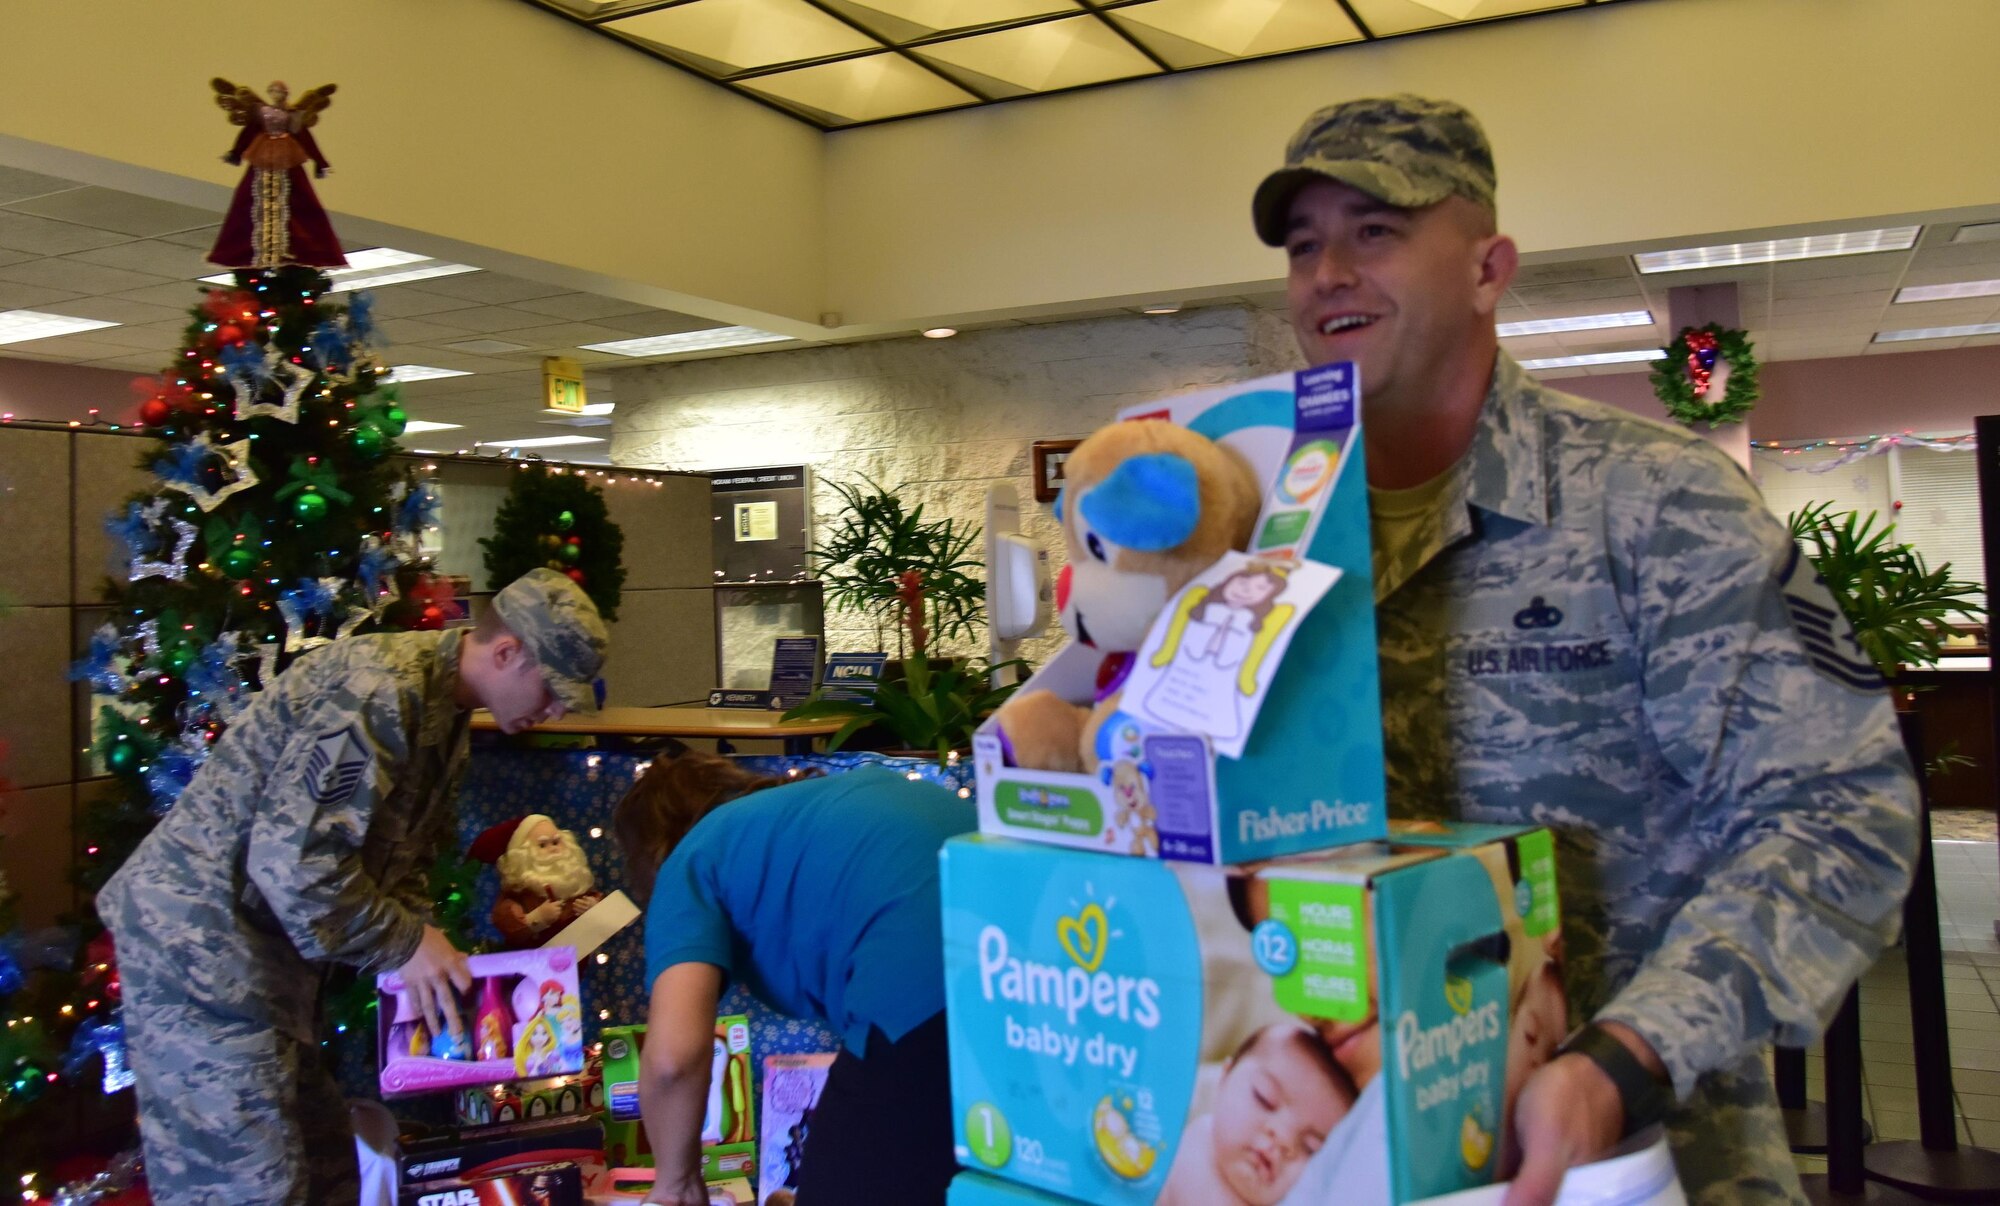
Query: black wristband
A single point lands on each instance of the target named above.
(1646, 1097)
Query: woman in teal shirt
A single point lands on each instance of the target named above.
(820, 896)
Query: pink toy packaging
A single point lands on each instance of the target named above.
(522, 1019)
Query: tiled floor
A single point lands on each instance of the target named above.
(1968, 877)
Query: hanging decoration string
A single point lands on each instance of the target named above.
(1857, 449)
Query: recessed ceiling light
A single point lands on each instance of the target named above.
(18, 326)
(540, 442)
(374, 266)
(1924, 293)
(486, 347)
(420, 372)
(1581, 322)
(1161, 308)
(398, 276)
(1978, 328)
(1809, 247)
(940, 332)
(598, 408)
(687, 341)
(1977, 232)
(429, 452)
(1556, 362)
(419, 426)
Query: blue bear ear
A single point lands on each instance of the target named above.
(1060, 496)
(1151, 502)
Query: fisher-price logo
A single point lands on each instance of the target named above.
(1081, 990)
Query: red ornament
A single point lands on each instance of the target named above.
(575, 575)
(432, 618)
(1701, 360)
(154, 412)
(576, 540)
(229, 333)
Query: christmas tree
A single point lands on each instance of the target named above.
(554, 517)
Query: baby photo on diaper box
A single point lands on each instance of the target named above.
(1351, 1026)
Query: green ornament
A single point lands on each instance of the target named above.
(239, 563)
(566, 521)
(368, 441)
(394, 420)
(122, 757)
(571, 552)
(309, 506)
(179, 658)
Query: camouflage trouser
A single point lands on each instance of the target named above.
(230, 1110)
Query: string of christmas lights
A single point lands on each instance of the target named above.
(1864, 446)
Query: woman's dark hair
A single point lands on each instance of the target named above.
(673, 794)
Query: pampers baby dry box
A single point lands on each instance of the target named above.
(1128, 1030)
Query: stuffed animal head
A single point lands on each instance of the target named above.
(1146, 506)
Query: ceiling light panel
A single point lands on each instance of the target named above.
(419, 426)
(1951, 292)
(1809, 247)
(723, 37)
(1195, 33)
(1384, 17)
(1633, 356)
(1978, 232)
(870, 88)
(403, 374)
(19, 326)
(899, 21)
(1042, 58)
(540, 442)
(688, 341)
(1916, 333)
(1581, 322)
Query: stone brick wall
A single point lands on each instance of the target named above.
(941, 419)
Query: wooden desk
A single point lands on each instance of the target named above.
(689, 720)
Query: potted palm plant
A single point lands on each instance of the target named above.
(877, 541)
(1899, 607)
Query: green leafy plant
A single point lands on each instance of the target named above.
(877, 540)
(931, 708)
(1897, 605)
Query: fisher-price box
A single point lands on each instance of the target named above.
(523, 1019)
(1345, 1027)
(1272, 750)
(729, 1122)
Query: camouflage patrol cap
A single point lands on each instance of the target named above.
(1410, 151)
(560, 626)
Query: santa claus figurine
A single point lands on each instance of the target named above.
(545, 881)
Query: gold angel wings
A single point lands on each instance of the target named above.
(242, 103)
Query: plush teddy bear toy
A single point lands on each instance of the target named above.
(1146, 506)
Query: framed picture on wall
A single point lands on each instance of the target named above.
(1049, 457)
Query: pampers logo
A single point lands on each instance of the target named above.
(1428, 1058)
(1419, 1046)
(1081, 991)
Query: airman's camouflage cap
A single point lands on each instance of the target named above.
(560, 626)
(1410, 151)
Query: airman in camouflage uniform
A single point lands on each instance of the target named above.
(1601, 629)
(306, 839)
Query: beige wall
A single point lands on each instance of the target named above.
(942, 418)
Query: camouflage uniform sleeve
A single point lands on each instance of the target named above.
(414, 890)
(1802, 829)
(306, 842)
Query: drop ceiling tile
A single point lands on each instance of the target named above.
(486, 320)
(901, 20)
(1889, 263)
(17, 184)
(136, 362)
(1193, 33)
(61, 273)
(1403, 16)
(131, 313)
(655, 322)
(440, 358)
(1568, 294)
(1880, 286)
(489, 288)
(864, 89)
(1562, 272)
(401, 331)
(487, 347)
(1950, 255)
(26, 232)
(1041, 58)
(156, 256)
(179, 294)
(201, 238)
(33, 297)
(559, 338)
(123, 213)
(722, 37)
(73, 348)
(579, 307)
(1940, 313)
(161, 338)
(408, 301)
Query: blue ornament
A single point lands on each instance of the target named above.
(376, 570)
(183, 463)
(361, 317)
(418, 508)
(331, 346)
(99, 666)
(245, 361)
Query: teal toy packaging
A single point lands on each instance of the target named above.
(1347, 1027)
(1249, 720)
(729, 1120)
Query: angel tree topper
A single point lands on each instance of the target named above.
(275, 219)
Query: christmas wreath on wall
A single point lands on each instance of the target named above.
(1709, 376)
